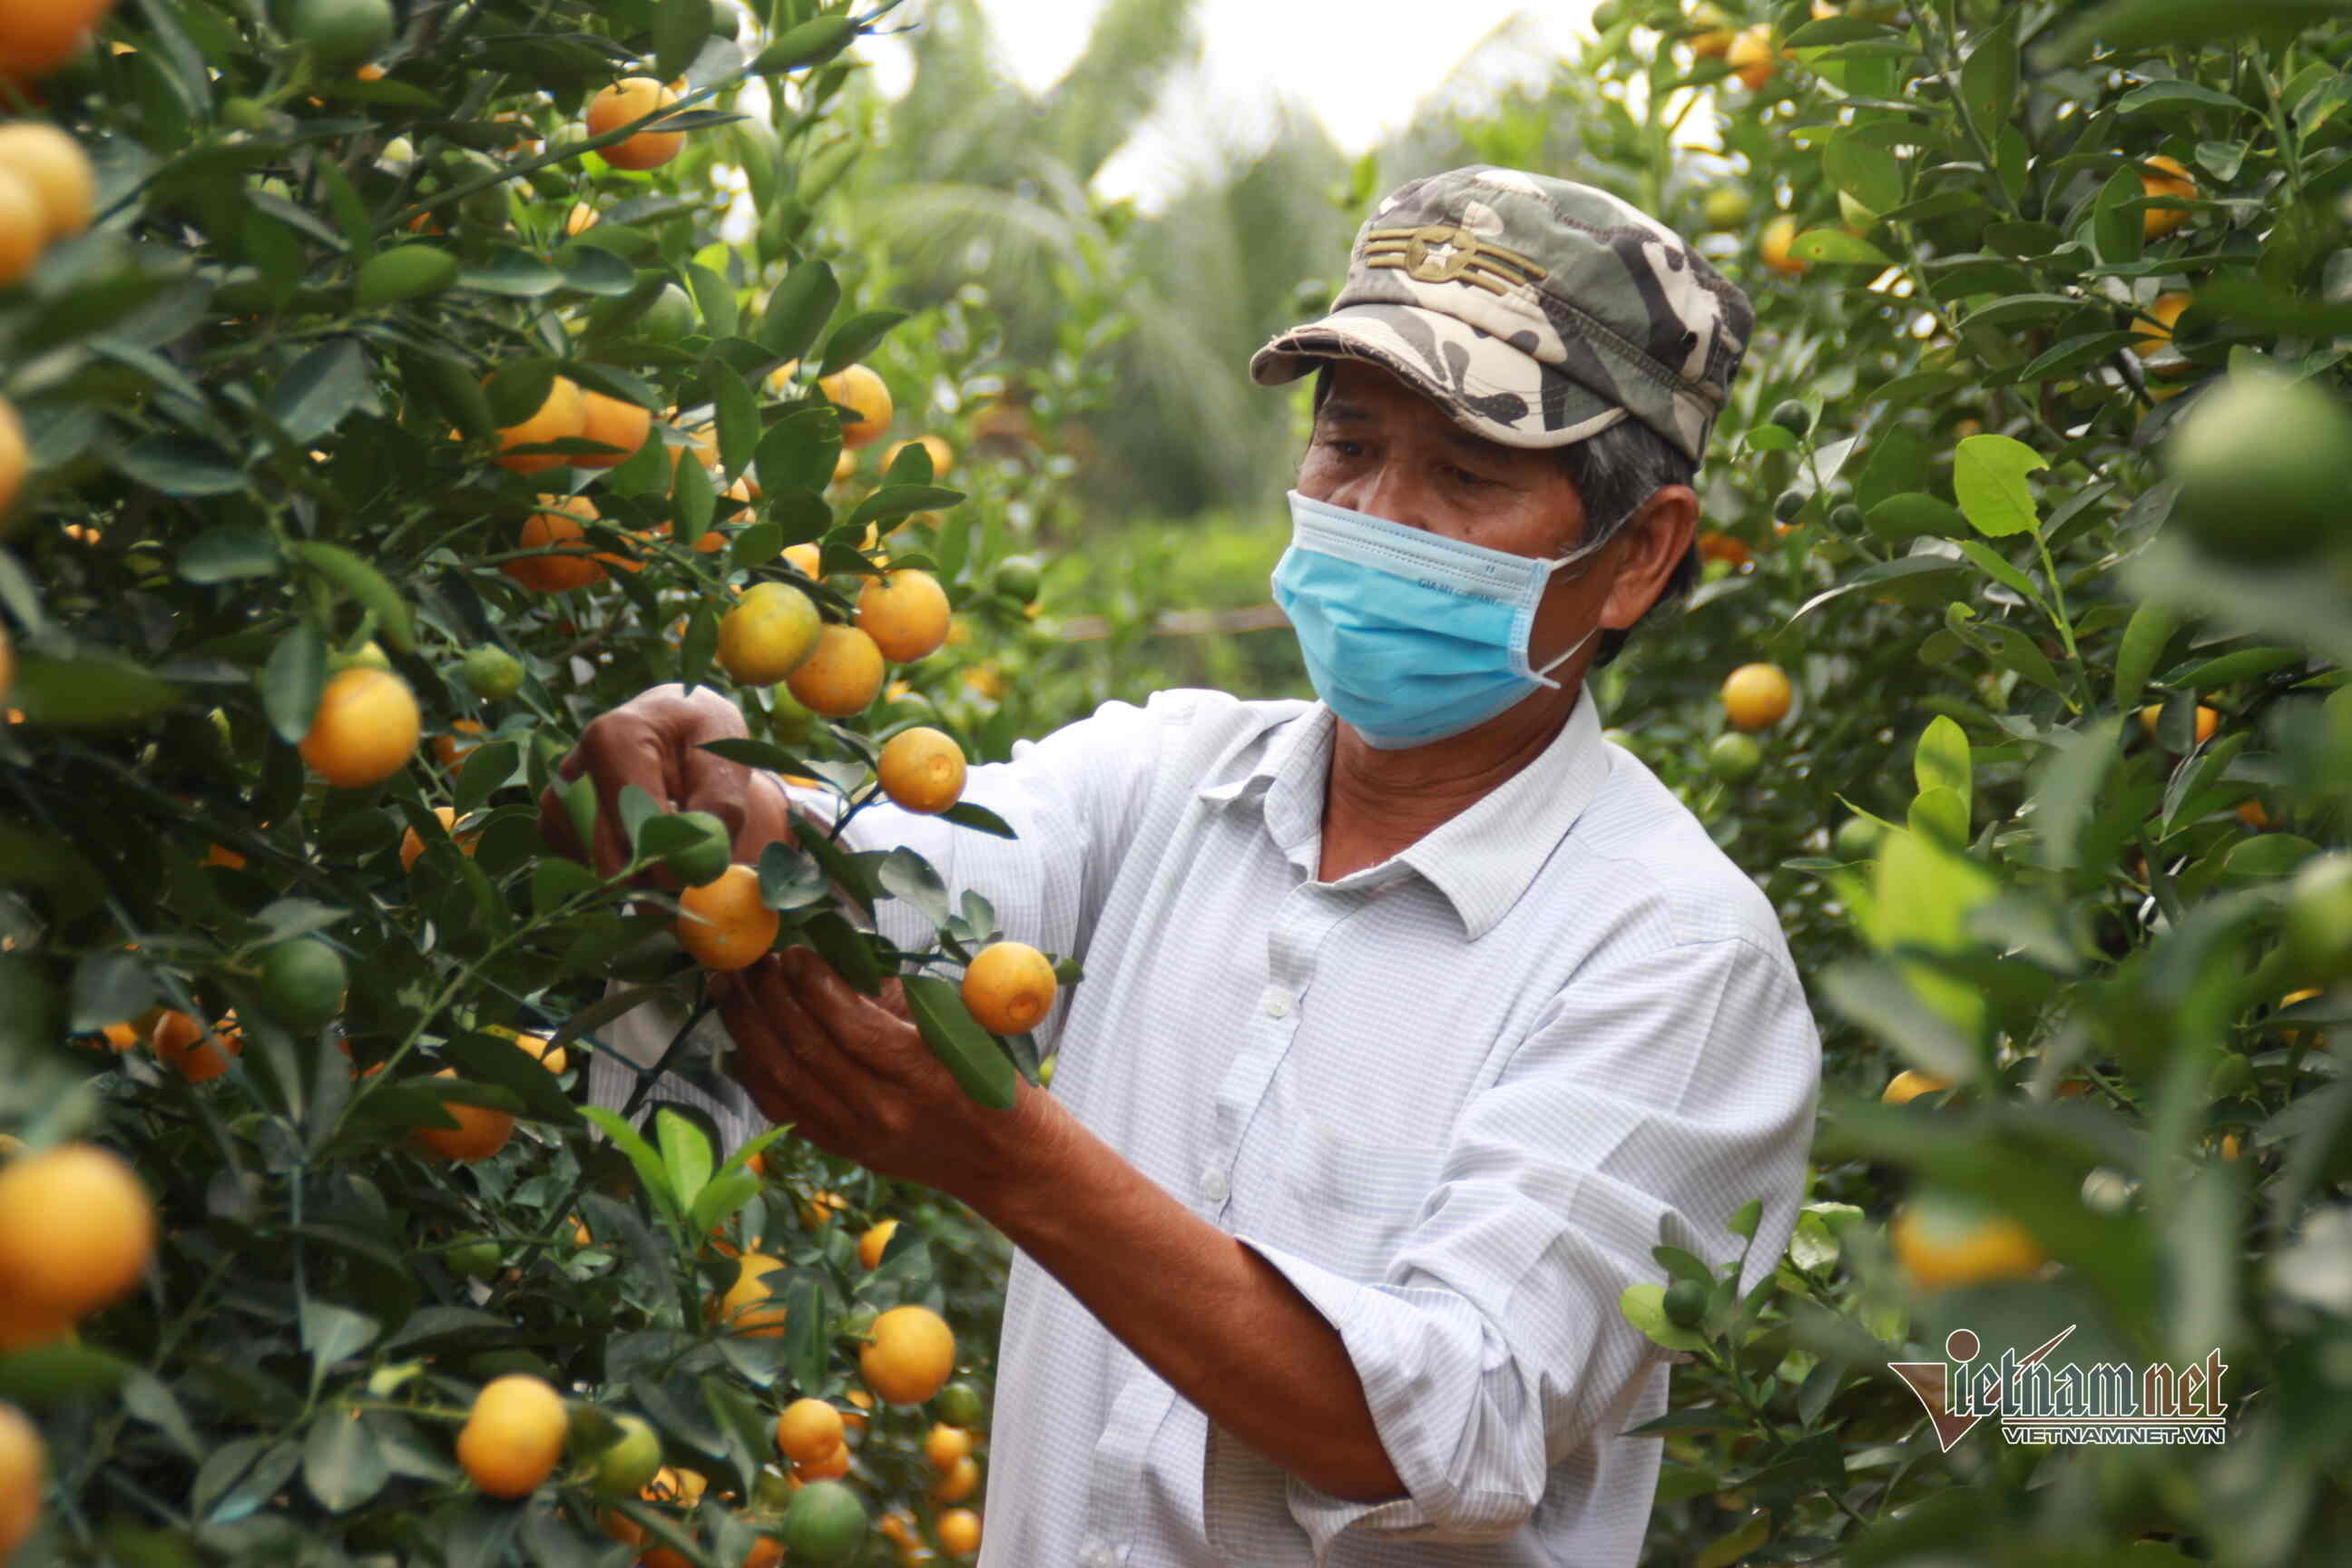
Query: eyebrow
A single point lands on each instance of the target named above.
(1337, 410)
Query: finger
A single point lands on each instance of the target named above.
(868, 1030)
(772, 1065)
(809, 1035)
(623, 750)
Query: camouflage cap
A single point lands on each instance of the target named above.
(1536, 311)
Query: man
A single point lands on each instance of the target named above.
(1414, 1017)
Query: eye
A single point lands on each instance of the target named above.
(1467, 479)
(1339, 446)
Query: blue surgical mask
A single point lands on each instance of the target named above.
(1408, 635)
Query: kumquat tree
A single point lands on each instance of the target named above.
(390, 387)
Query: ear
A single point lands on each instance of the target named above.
(1650, 546)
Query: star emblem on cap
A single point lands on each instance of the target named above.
(1448, 253)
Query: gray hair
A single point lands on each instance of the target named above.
(1613, 472)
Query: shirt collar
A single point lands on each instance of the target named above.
(1483, 861)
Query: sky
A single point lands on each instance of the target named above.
(1359, 66)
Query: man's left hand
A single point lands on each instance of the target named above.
(854, 1075)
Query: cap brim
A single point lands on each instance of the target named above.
(1484, 384)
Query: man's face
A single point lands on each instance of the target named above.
(1381, 448)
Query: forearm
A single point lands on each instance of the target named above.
(1216, 1321)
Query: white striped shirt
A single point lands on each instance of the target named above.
(1455, 1098)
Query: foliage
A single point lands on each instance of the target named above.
(263, 397)
(2074, 919)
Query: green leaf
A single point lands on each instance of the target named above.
(857, 337)
(721, 1199)
(2116, 229)
(637, 808)
(1915, 579)
(2227, 669)
(332, 1334)
(2175, 93)
(812, 42)
(403, 273)
(1941, 759)
(1993, 564)
(969, 1052)
(108, 988)
(448, 382)
(906, 876)
(2012, 650)
(363, 584)
(292, 680)
(1745, 1219)
(1989, 80)
(680, 27)
(1823, 31)
(488, 768)
(44, 860)
(1836, 247)
(969, 814)
(556, 882)
(514, 274)
(714, 297)
(324, 388)
(686, 1154)
(2070, 354)
(691, 497)
(757, 754)
(798, 309)
(592, 269)
(1871, 176)
(342, 1462)
(847, 948)
(579, 804)
(1875, 997)
(179, 465)
(790, 880)
(739, 418)
(2151, 626)
(799, 451)
(45, 1376)
(93, 688)
(1738, 1542)
(701, 640)
(150, 1399)
(651, 1172)
(1912, 514)
(1644, 1306)
(1941, 815)
(1988, 478)
(893, 502)
(756, 546)
(1898, 466)
(2270, 854)
(227, 553)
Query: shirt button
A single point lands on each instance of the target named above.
(1213, 1184)
(1278, 1002)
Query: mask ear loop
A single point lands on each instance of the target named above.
(1578, 558)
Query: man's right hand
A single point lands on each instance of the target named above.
(653, 740)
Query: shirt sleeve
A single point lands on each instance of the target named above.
(1073, 801)
(1658, 1098)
